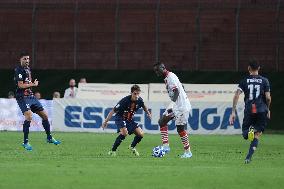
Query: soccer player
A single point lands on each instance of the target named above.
(28, 102)
(124, 112)
(257, 102)
(178, 109)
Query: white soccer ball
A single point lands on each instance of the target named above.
(158, 151)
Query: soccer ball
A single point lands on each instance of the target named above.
(158, 151)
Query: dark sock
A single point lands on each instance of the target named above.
(136, 140)
(245, 134)
(46, 126)
(26, 129)
(117, 142)
(252, 148)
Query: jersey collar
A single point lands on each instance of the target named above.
(166, 73)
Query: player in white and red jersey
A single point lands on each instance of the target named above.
(178, 109)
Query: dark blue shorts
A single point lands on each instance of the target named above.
(258, 121)
(130, 125)
(29, 103)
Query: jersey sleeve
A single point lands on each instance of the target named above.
(18, 75)
(141, 102)
(173, 82)
(266, 86)
(242, 86)
(119, 106)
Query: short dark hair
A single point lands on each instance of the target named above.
(253, 64)
(24, 53)
(160, 65)
(156, 64)
(135, 88)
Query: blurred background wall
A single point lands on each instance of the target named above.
(195, 35)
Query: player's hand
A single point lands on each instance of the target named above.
(35, 83)
(268, 114)
(104, 125)
(232, 118)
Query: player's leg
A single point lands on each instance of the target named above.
(247, 124)
(26, 129)
(253, 146)
(25, 108)
(139, 134)
(184, 139)
(163, 121)
(123, 132)
(259, 126)
(181, 123)
(45, 123)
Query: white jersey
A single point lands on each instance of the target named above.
(182, 103)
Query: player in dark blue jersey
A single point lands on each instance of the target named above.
(257, 103)
(124, 112)
(27, 101)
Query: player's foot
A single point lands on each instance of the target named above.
(133, 150)
(247, 161)
(186, 155)
(53, 141)
(27, 146)
(251, 134)
(166, 148)
(112, 153)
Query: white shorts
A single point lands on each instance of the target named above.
(180, 116)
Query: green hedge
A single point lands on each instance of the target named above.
(57, 80)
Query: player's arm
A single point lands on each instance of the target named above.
(147, 111)
(23, 85)
(109, 116)
(268, 102)
(235, 102)
(175, 94)
(267, 96)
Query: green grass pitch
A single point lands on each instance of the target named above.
(81, 161)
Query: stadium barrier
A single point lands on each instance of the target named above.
(85, 115)
(196, 92)
(11, 117)
(210, 114)
(107, 91)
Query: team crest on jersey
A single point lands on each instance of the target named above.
(20, 76)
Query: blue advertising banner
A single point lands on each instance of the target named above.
(84, 115)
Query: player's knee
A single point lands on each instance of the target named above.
(257, 135)
(162, 122)
(28, 117)
(44, 117)
(141, 134)
(180, 128)
(124, 132)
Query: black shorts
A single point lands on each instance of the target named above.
(29, 103)
(130, 125)
(258, 121)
